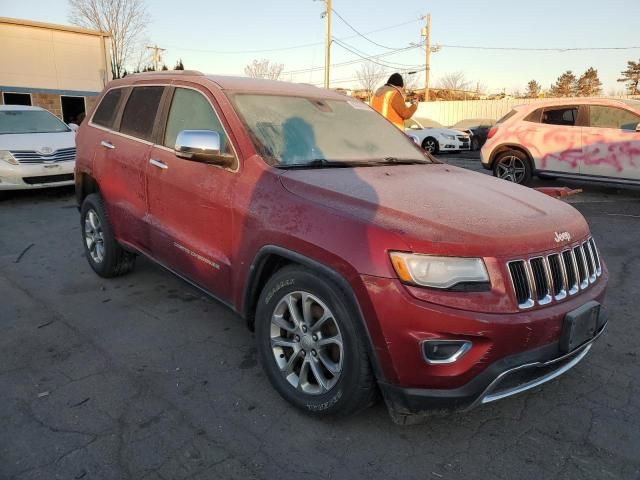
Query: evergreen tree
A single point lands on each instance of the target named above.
(631, 76)
(589, 84)
(533, 89)
(179, 65)
(565, 86)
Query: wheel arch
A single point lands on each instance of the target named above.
(511, 146)
(86, 184)
(270, 259)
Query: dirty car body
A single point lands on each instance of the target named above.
(358, 259)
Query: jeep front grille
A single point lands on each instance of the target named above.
(541, 280)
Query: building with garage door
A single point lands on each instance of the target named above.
(57, 67)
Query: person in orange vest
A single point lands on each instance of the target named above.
(389, 101)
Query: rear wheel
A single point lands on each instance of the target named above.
(310, 345)
(104, 254)
(430, 144)
(513, 166)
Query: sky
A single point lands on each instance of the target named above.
(222, 37)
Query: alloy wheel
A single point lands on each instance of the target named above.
(306, 343)
(94, 236)
(511, 168)
(430, 146)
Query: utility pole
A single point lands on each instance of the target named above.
(327, 47)
(157, 52)
(426, 33)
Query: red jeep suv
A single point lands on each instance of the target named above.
(362, 263)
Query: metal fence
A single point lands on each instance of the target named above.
(449, 113)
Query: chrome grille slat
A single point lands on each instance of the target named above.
(33, 157)
(541, 280)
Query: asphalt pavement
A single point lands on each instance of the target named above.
(144, 377)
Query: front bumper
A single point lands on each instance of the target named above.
(25, 177)
(456, 145)
(509, 376)
(526, 341)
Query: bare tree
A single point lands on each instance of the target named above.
(454, 85)
(264, 69)
(370, 75)
(141, 57)
(125, 20)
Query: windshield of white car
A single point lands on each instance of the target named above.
(321, 133)
(30, 121)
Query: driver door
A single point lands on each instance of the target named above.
(189, 202)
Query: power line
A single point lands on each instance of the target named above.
(350, 62)
(536, 49)
(371, 58)
(361, 34)
(281, 49)
(367, 56)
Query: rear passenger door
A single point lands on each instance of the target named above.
(189, 202)
(121, 175)
(557, 141)
(611, 143)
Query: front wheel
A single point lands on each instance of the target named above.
(430, 144)
(311, 348)
(513, 166)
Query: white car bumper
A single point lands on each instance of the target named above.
(43, 175)
(455, 145)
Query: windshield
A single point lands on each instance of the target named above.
(30, 121)
(290, 130)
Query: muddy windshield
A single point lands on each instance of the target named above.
(301, 131)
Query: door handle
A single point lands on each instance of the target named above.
(107, 144)
(159, 164)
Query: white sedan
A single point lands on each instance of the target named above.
(437, 139)
(36, 149)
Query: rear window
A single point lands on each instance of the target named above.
(140, 113)
(106, 112)
(567, 116)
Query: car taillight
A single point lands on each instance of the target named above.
(492, 132)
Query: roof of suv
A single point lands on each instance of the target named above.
(578, 101)
(236, 84)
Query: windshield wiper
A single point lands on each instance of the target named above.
(402, 161)
(317, 163)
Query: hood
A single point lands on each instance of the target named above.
(442, 209)
(37, 141)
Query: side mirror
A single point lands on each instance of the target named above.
(202, 146)
(74, 127)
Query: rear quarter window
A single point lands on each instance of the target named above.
(106, 112)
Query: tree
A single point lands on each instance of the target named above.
(565, 86)
(370, 76)
(164, 67)
(533, 89)
(631, 76)
(453, 86)
(264, 69)
(125, 20)
(179, 65)
(589, 84)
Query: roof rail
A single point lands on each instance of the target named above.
(171, 72)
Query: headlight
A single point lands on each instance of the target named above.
(438, 272)
(5, 155)
(449, 137)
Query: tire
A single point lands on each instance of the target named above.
(285, 346)
(431, 145)
(513, 166)
(107, 258)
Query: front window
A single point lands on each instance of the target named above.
(30, 121)
(289, 130)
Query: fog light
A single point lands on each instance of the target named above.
(444, 351)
